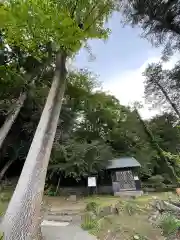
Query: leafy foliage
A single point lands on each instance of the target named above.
(33, 24)
(89, 222)
(157, 181)
(162, 87)
(1, 236)
(169, 225)
(166, 132)
(94, 127)
(78, 159)
(159, 20)
(92, 206)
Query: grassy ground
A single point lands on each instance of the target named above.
(126, 227)
(3, 206)
(5, 196)
(132, 221)
(63, 202)
(104, 200)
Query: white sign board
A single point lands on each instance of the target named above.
(136, 178)
(91, 182)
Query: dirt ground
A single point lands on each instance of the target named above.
(61, 203)
(128, 227)
(80, 204)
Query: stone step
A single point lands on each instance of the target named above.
(62, 218)
(64, 212)
(58, 218)
(58, 209)
(54, 223)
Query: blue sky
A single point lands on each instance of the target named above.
(120, 62)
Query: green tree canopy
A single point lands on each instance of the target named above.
(79, 158)
(162, 87)
(159, 20)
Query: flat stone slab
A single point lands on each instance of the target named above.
(46, 223)
(69, 232)
(58, 218)
(129, 193)
(63, 218)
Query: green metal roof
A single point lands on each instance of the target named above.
(123, 162)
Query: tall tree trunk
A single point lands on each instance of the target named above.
(157, 147)
(22, 217)
(11, 118)
(20, 102)
(173, 105)
(5, 168)
(58, 184)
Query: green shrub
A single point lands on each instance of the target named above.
(89, 221)
(169, 225)
(5, 196)
(93, 207)
(3, 207)
(1, 236)
(132, 207)
(157, 181)
(50, 191)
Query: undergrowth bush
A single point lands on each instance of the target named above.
(3, 207)
(169, 225)
(132, 208)
(157, 181)
(51, 191)
(93, 207)
(5, 197)
(89, 221)
(1, 236)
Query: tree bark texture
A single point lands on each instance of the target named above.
(173, 105)
(58, 184)
(157, 147)
(5, 168)
(23, 216)
(11, 118)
